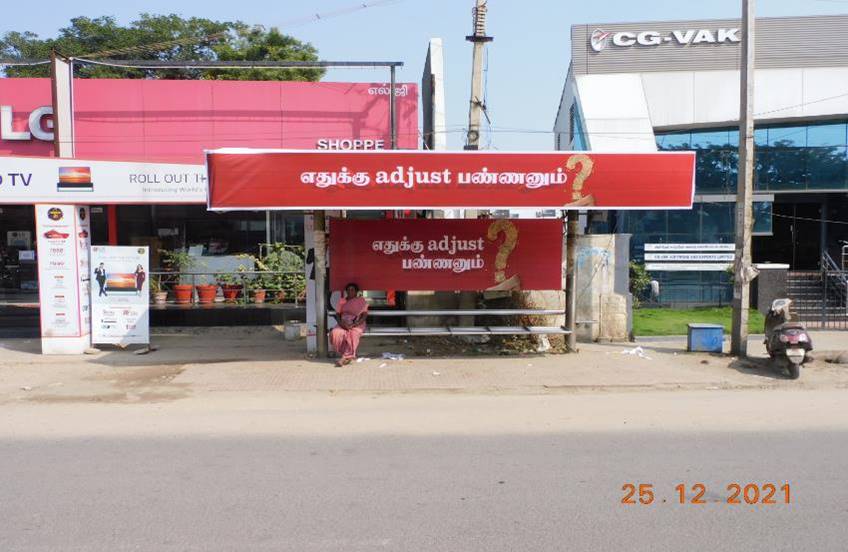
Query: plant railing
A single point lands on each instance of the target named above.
(246, 280)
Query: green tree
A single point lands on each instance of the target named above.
(164, 38)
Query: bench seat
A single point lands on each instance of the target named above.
(409, 331)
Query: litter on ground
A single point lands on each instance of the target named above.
(636, 351)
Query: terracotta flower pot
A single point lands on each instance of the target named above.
(280, 296)
(182, 293)
(206, 293)
(160, 297)
(231, 292)
(258, 296)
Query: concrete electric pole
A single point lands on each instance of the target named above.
(476, 107)
(743, 271)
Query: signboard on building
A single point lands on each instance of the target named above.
(120, 297)
(688, 257)
(295, 179)
(27, 180)
(63, 237)
(446, 254)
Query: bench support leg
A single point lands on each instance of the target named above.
(571, 280)
(321, 282)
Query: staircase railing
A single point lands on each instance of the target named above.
(835, 279)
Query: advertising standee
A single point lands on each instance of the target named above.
(63, 239)
(119, 298)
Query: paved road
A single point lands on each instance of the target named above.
(392, 473)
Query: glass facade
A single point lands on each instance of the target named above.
(578, 134)
(787, 157)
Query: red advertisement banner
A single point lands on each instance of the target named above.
(446, 254)
(288, 179)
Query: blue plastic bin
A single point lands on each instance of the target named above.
(707, 338)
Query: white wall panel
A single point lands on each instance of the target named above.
(615, 113)
(716, 97)
(820, 87)
(670, 97)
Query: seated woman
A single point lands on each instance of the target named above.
(350, 314)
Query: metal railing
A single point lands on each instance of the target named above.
(693, 294)
(292, 283)
(835, 280)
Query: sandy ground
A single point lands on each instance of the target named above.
(227, 360)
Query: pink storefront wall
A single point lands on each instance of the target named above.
(174, 121)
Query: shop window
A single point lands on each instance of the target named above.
(762, 212)
(717, 225)
(788, 169)
(674, 141)
(827, 167)
(787, 137)
(720, 138)
(683, 225)
(826, 135)
(576, 132)
(711, 173)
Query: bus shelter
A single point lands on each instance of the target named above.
(465, 254)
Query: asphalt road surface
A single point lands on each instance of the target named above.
(423, 473)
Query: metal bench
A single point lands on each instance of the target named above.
(406, 331)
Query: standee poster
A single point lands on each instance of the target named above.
(120, 297)
(63, 239)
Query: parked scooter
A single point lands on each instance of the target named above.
(786, 342)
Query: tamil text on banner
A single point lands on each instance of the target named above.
(289, 179)
(27, 180)
(120, 303)
(446, 255)
(63, 238)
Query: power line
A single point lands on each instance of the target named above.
(296, 22)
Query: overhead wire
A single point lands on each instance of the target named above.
(291, 23)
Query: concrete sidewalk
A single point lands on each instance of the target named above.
(244, 361)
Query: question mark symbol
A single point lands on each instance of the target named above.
(586, 166)
(510, 238)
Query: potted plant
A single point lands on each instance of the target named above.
(206, 293)
(180, 261)
(159, 296)
(230, 286)
(286, 267)
(258, 289)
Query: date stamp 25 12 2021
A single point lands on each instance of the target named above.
(749, 493)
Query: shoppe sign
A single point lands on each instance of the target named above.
(446, 254)
(244, 179)
(27, 180)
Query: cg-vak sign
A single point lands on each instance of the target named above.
(296, 179)
(446, 254)
(600, 39)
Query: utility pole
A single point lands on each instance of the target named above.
(743, 271)
(476, 107)
(468, 299)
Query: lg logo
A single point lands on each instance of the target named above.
(40, 124)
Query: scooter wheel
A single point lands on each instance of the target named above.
(794, 370)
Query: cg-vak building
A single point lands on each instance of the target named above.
(172, 122)
(674, 85)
